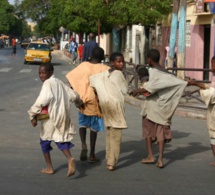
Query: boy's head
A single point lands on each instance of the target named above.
(153, 56)
(213, 64)
(117, 60)
(45, 71)
(143, 73)
(98, 54)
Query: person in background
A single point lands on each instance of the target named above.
(88, 47)
(73, 49)
(13, 44)
(80, 52)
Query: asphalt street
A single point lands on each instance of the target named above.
(186, 158)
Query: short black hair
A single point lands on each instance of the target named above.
(154, 54)
(213, 59)
(114, 55)
(48, 66)
(98, 54)
(142, 72)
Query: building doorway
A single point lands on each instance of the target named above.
(207, 35)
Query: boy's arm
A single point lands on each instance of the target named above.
(140, 91)
(200, 85)
(75, 97)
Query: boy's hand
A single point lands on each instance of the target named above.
(191, 82)
(134, 93)
(34, 122)
(82, 107)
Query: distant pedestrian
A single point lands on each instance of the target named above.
(56, 125)
(73, 49)
(90, 117)
(80, 52)
(13, 44)
(163, 92)
(88, 47)
(111, 87)
(207, 93)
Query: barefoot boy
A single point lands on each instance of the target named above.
(58, 127)
(110, 87)
(163, 92)
(207, 93)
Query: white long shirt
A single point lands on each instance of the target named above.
(58, 97)
(111, 89)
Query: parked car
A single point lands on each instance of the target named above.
(38, 52)
(25, 43)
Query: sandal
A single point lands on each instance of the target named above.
(83, 155)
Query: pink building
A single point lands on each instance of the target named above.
(200, 38)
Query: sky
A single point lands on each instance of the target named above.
(11, 1)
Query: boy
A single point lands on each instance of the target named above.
(110, 87)
(207, 93)
(90, 116)
(58, 127)
(163, 92)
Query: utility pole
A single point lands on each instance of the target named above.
(182, 38)
(173, 33)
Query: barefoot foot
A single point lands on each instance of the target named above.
(160, 164)
(47, 171)
(212, 164)
(110, 168)
(148, 161)
(71, 167)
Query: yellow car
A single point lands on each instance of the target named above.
(38, 52)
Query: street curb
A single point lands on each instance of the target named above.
(180, 111)
(184, 112)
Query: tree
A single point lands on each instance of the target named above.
(6, 17)
(82, 15)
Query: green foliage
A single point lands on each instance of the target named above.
(82, 15)
(6, 17)
(11, 22)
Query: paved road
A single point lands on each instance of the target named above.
(186, 157)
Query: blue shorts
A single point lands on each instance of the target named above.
(46, 145)
(93, 122)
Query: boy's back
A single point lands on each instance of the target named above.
(111, 88)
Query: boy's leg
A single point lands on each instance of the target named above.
(65, 148)
(160, 158)
(83, 121)
(83, 133)
(115, 141)
(150, 157)
(96, 125)
(213, 150)
(71, 162)
(108, 146)
(46, 148)
(93, 138)
(49, 169)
